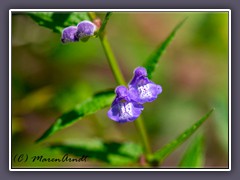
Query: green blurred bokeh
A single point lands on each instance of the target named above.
(49, 78)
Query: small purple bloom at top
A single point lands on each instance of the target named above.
(123, 108)
(68, 34)
(141, 89)
(85, 29)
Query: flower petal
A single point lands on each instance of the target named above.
(141, 89)
(125, 112)
(68, 34)
(85, 29)
(145, 93)
(123, 109)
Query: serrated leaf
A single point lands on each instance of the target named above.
(103, 26)
(113, 153)
(57, 21)
(194, 155)
(90, 106)
(161, 154)
(152, 61)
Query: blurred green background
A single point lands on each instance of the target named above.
(50, 78)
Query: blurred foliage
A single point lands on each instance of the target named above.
(50, 78)
(90, 106)
(165, 151)
(194, 155)
(112, 153)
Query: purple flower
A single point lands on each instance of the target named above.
(85, 29)
(123, 108)
(68, 34)
(141, 89)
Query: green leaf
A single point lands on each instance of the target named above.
(103, 26)
(57, 21)
(152, 61)
(90, 106)
(161, 154)
(113, 153)
(194, 155)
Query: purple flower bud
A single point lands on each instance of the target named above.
(123, 109)
(68, 34)
(85, 29)
(141, 89)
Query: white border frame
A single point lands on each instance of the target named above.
(121, 10)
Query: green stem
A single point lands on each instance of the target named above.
(142, 131)
(112, 61)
